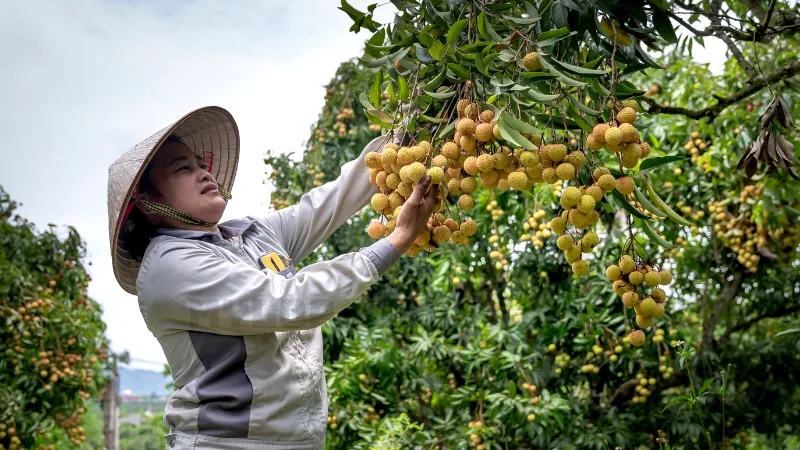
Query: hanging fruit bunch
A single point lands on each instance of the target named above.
(494, 98)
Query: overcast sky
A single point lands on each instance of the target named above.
(83, 81)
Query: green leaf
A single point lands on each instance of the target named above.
(535, 75)
(446, 130)
(460, 71)
(436, 50)
(402, 85)
(589, 73)
(436, 81)
(663, 206)
(652, 234)
(359, 18)
(582, 107)
(664, 27)
(519, 125)
(371, 115)
(600, 89)
(375, 91)
(583, 123)
(512, 136)
(561, 77)
(491, 99)
(621, 201)
(551, 37)
(660, 4)
(455, 31)
(787, 332)
(645, 202)
(522, 20)
(440, 95)
(485, 29)
(653, 163)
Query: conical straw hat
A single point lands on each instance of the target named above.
(210, 132)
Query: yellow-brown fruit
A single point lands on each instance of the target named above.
(461, 105)
(373, 160)
(636, 278)
(535, 174)
(450, 150)
(423, 237)
(531, 61)
(599, 132)
(466, 126)
(580, 267)
(629, 133)
(487, 116)
(453, 172)
(620, 287)
(442, 234)
(496, 132)
(632, 150)
(564, 242)
(454, 186)
(626, 264)
(472, 111)
(636, 338)
(558, 224)
(576, 159)
(644, 321)
(658, 295)
(630, 299)
(501, 161)
(518, 181)
(586, 204)
(573, 254)
(613, 272)
(489, 179)
(648, 307)
(607, 182)
(503, 185)
(468, 143)
(659, 310)
(593, 144)
(565, 171)
(450, 223)
(529, 159)
(614, 136)
(393, 181)
(625, 185)
(405, 189)
(666, 277)
(439, 161)
(390, 226)
(599, 172)
(652, 279)
(483, 132)
(469, 227)
(571, 196)
(466, 202)
(645, 149)
(626, 115)
(578, 218)
(485, 162)
(405, 156)
(379, 202)
(614, 148)
(630, 161)
(417, 171)
(589, 241)
(380, 180)
(388, 157)
(596, 192)
(469, 185)
(437, 174)
(549, 175)
(471, 165)
(395, 200)
(557, 152)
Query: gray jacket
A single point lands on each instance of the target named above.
(241, 328)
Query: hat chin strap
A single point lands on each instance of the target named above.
(172, 213)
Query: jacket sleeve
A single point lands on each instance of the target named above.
(185, 286)
(301, 228)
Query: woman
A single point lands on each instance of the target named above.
(238, 325)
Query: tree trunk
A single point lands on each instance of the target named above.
(729, 292)
(111, 412)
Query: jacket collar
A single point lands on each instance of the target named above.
(228, 230)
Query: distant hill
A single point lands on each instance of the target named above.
(142, 382)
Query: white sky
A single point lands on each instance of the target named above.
(83, 81)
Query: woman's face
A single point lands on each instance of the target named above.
(180, 180)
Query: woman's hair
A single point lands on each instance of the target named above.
(144, 230)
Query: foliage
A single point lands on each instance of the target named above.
(53, 357)
(148, 435)
(495, 344)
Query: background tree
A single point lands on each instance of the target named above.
(53, 351)
(496, 344)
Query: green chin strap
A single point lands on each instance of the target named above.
(172, 213)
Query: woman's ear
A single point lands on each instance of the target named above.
(145, 210)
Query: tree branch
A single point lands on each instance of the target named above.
(729, 292)
(712, 111)
(780, 312)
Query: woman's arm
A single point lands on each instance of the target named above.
(301, 228)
